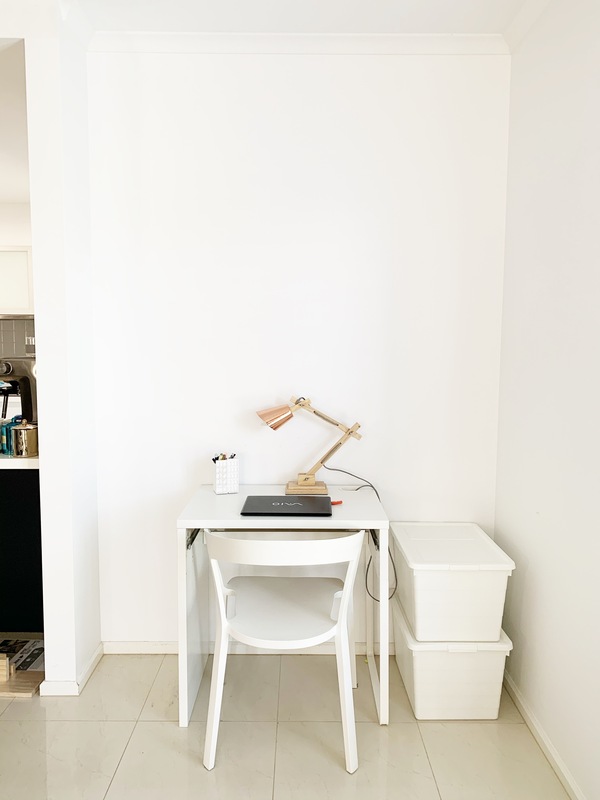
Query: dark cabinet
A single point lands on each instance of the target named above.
(21, 605)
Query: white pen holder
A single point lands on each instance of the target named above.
(227, 476)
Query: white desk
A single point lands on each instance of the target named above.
(206, 510)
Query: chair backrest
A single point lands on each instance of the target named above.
(284, 553)
(287, 552)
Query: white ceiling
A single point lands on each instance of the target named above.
(305, 16)
(240, 16)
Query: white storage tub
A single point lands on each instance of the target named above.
(451, 580)
(450, 680)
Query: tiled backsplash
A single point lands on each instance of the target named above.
(17, 337)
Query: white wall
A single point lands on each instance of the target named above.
(58, 170)
(548, 517)
(15, 224)
(269, 225)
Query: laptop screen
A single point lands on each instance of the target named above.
(287, 506)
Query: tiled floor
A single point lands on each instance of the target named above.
(280, 739)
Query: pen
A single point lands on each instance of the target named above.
(222, 457)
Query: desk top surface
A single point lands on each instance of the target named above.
(205, 509)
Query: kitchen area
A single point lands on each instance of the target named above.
(21, 595)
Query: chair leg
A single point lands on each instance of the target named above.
(352, 643)
(216, 695)
(342, 654)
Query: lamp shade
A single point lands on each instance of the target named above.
(275, 417)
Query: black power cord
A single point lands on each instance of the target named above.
(356, 488)
(373, 533)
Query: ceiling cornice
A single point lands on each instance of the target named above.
(298, 44)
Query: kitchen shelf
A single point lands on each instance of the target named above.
(8, 462)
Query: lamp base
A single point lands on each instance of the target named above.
(319, 487)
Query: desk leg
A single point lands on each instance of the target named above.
(193, 619)
(379, 613)
(384, 628)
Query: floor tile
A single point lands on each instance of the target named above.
(485, 761)
(117, 690)
(4, 704)
(162, 702)
(165, 761)
(393, 764)
(309, 691)
(200, 709)
(251, 690)
(309, 688)
(508, 710)
(120, 739)
(59, 760)
(364, 702)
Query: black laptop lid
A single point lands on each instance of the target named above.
(287, 506)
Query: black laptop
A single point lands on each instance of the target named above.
(287, 506)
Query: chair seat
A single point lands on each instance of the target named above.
(283, 613)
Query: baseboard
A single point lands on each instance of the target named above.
(59, 689)
(90, 666)
(72, 688)
(139, 648)
(325, 649)
(542, 738)
(237, 648)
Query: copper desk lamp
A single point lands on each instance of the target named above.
(279, 415)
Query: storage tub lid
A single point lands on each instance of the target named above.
(448, 545)
(503, 644)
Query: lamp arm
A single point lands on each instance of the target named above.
(302, 402)
(306, 483)
(348, 432)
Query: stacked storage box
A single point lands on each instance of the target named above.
(447, 615)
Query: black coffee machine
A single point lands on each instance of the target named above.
(17, 364)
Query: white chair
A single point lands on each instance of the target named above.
(284, 613)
